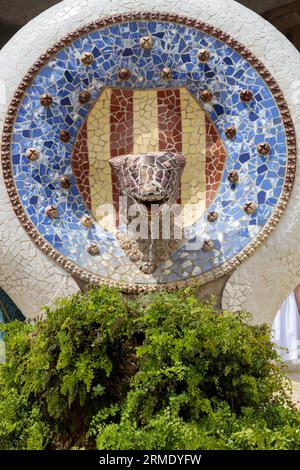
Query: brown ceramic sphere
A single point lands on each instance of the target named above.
(65, 182)
(203, 55)
(233, 177)
(230, 132)
(208, 246)
(166, 73)
(264, 148)
(51, 211)
(46, 100)
(206, 95)
(250, 207)
(124, 74)
(32, 154)
(87, 221)
(93, 250)
(87, 58)
(212, 216)
(84, 97)
(65, 136)
(147, 267)
(146, 42)
(246, 95)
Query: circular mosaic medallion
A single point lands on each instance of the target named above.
(153, 85)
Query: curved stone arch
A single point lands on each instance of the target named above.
(24, 267)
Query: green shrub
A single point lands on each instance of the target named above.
(157, 372)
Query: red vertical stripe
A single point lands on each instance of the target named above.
(80, 163)
(121, 122)
(121, 133)
(215, 161)
(169, 122)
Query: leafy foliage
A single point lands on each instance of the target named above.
(157, 372)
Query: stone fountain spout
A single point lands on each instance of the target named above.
(150, 183)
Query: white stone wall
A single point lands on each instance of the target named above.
(261, 283)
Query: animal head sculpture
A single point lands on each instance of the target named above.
(147, 180)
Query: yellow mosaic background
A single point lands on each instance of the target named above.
(146, 139)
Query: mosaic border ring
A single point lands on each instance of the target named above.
(77, 64)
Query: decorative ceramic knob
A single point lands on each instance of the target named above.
(84, 97)
(230, 132)
(174, 244)
(120, 236)
(87, 221)
(233, 176)
(51, 211)
(124, 74)
(46, 100)
(246, 95)
(147, 267)
(65, 182)
(264, 148)
(134, 256)
(146, 42)
(212, 216)
(166, 73)
(250, 207)
(87, 58)
(93, 250)
(65, 136)
(125, 244)
(208, 245)
(32, 154)
(203, 55)
(206, 95)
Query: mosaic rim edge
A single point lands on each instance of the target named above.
(203, 278)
